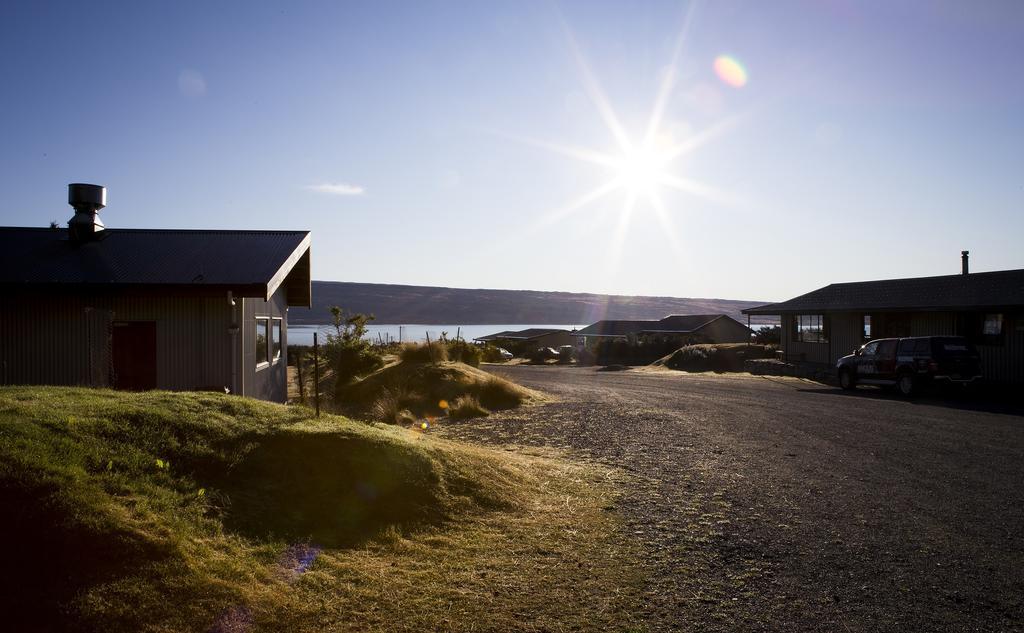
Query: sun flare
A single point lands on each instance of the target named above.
(641, 171)
(643, 165)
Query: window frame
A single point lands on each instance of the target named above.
(805, 324)
(265, 361)
(276, 346)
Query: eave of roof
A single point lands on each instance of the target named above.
(995, 289)
(142, 261)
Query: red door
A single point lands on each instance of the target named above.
(133, 355)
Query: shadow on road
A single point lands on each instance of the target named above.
(989, 401)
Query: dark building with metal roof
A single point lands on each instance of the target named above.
(149, 309)
(828, 323)
(537, 337)
(702, 328)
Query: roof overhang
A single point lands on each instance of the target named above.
(295, 273)
(772, 311)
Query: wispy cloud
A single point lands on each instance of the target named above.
(337, 189)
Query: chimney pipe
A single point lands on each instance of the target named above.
(963, 261)
(87, 200)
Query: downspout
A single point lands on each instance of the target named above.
(233, 332)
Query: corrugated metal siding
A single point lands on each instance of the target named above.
(933, 324)
(66, 340)
(1005, 363)
(846, 332)
(269, 383)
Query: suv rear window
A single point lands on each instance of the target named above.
(952, 346)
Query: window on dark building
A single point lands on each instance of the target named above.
(275, 334)
(262, 332)
(810, 328)
(993, 325)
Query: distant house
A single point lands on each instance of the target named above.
(533, 338)
(830, 322)
(688, 328)
(149, 309)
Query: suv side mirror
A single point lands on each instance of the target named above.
(856, 352)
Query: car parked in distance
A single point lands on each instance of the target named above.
(910, 363)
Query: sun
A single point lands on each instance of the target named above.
(642, 167)
(641, 171)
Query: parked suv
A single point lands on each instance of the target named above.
(910, 363)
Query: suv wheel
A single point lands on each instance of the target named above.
(905, 384)
(846, 380)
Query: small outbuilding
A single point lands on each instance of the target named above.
(532, 338)
(686, 328)
(142, 309)
(988, 308)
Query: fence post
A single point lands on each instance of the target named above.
(316, 372)
(430, 352)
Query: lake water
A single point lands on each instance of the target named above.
(303, 334)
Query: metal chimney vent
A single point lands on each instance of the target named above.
(87, 200)
(963, 261)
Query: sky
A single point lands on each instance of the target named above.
(737, 150)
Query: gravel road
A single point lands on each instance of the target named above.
(778, 504)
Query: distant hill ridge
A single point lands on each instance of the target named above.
(432, 305)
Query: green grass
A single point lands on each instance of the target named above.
(185, 512)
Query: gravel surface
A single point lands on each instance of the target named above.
(778, 504)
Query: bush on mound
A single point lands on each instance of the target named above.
(420, 388)
(127, 510)
(717, 357)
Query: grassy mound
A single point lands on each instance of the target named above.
(415, 389)
(718, 357)
(160, 511)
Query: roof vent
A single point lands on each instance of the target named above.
(87, 200)
(963, 261)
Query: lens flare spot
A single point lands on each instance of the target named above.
(424, 426)
(443, 404)
(730, 71)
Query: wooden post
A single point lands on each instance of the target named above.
(430, 351)
(298, 373)
(316, 372)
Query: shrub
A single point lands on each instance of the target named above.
(347, 351)
(498, 393)
(491, 354)
(392, 406)
(464, 352)
(768, 335)
(435, 352)
(723, 357)
(466, 407)
(541, 354)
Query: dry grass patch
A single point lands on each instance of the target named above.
(421, 388)
(718, 357)
(555, 564)
(466, 407)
